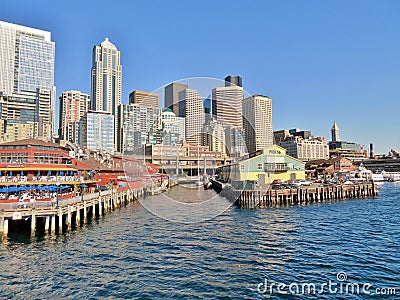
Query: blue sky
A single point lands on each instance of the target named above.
(320, 61)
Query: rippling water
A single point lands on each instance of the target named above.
(132, 253)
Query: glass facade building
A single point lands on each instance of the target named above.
(27, 81)
(98, 131)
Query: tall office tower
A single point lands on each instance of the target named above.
(171, 96)
(227, 105)
(214, 136)
(98, 131)
(144, 99)
(233, 81)
(27, 69)
(106, 89)
(191, 108)
(335, 131)
(137, 126)
(257, 121)
(73, 106)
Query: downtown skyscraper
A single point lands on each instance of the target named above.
(27, 92)
(257, 121)
(106, 84)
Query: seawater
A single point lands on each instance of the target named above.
(134, 254)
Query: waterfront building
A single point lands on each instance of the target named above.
(263, 167)
(231, 80)
(172, 128)
(144, 98)
(257, 121)
(350, 150)
(330, 166)
(306, 149)
(214, 136)
(27, 79)
(106, 83)
(227, 105)
(98, 131)
(335, 131)
(137, 126)
(171, 96)
(73, 106)
(191, 108)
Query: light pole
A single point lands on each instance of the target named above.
(58, 186)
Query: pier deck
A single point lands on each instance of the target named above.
(72, 212)
(287, 197)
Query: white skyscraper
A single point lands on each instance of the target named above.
(27, 70)
(191, 108)
(257, 120)
(227, 105)
(106, 91)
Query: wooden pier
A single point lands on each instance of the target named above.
(71, 213)
(299, 196)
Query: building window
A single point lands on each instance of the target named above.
(259, 166)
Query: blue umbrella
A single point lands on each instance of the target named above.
(64, 187)
(21, 188)
(6, 189)
(83, 185)
(62, 173)
(10, 173)
(3, 190)
(22, 173)
(38, 172)
(13, 189)
(57, 173)
(49, 173)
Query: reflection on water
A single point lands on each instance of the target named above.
(133, 253)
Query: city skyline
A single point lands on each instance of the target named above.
(329, 76)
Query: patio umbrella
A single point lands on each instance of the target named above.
(6, 189)
(10, 173)
(38, 172)
(3, 190)
(64, 187)
(13, 189)
(21, 188)
(62, 173)
(83, 185)
(49, 173)
(22, 173)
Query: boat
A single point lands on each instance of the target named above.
(391, 176)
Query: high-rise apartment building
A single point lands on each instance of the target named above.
(171, 96)
(137, 126)
(73, 106)
(144, 98)
(106, 85)
(227, 105)
(27, 81)
(233, 80)
(191, 108)
(98, 131)
(257, 121)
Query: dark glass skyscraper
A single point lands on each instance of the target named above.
(233, 80)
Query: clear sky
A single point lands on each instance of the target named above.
(320, 61)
